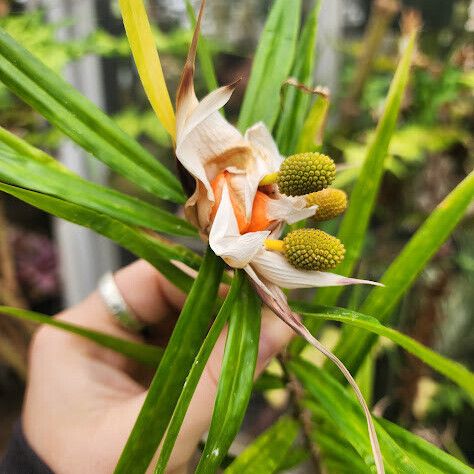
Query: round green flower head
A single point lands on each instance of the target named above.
(305, 173)
(331, 202)
(313, 249)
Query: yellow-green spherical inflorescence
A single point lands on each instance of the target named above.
(331, 203)
(313, 249)
(305, 173)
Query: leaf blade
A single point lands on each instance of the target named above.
(268, 451)
(82, 121)
(296, 102)
(271, 65)
(144, 353)
(155, 251)
(181, 351)
(236, 380)
(452, 370)
(406, 267)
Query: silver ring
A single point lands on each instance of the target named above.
(116, 305)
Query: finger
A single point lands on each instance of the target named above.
(275, 335)
(150, 297)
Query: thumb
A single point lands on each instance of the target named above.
(274, 336)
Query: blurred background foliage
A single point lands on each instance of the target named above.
(431, 151)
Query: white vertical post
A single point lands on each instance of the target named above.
(84, 256)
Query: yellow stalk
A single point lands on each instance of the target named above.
(143, 46)
(275, 245)
(269, 179)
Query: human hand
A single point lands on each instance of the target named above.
(82, 400)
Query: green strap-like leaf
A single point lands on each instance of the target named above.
(403, 271)
(423, 451)
(236, 380)
(81, 120)
(362, 200)
(20, 170)
(144, 353)
(271, 65)
(311, 136)
(268, 451)
(152, 249)
(177, 360)
(450, 369)
(296, 102)
(346, 414)
(195, 374)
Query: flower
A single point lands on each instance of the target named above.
(228, 204)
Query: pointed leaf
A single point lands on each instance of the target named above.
(450, 369)
(424, 451)
(82, 121)
(236, 380)
(296, 102)
(152, 249)
(181, 351)
(143, 46)
(362, 200)
(144, 353)
(20, 170)
(404, 270)
(349, 419)
(195, 374)
(268, 451)
(271, 65)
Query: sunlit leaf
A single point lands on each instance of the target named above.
(145, 353)
(271, 65)
(142, 43)
(180, 353)
(236, 380)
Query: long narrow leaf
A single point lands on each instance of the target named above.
(271, 65)
(362, 200)
(152, 249)
(195, 374)
(81, 120)
(296, 102)
(424, 451)
(347, 416)
(145, 353)
(21, 171)
(450, 369)
(143, 46)
(236, 380)
(406, 267)
(268, 451)
(168, 382)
